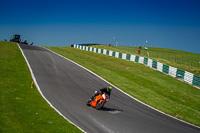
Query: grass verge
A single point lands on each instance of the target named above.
(22, 108)
(180, 59)
(149, 86)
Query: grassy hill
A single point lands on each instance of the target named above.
(22, 108)
(152, 87)
(180, 59)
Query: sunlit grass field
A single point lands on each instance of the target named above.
(152, 87)
(22, 108)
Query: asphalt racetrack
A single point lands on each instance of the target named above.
(67, 87)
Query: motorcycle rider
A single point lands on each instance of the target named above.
(107, 90)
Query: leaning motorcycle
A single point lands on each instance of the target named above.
(98, 101)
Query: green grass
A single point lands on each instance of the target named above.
(180, 59)
(151, 87)
(22, 108)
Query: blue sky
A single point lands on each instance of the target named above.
(171, 24)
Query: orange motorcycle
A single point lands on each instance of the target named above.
(98, 101)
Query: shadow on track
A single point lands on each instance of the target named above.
(111, 110)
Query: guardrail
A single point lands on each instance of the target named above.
(169, 70)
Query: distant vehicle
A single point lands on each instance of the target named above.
(16, 38)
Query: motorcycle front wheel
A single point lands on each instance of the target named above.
(88, 102)
(99, 105)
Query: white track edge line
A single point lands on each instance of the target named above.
(123, 91)
(35, 82)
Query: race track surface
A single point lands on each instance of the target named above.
(68, 86)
